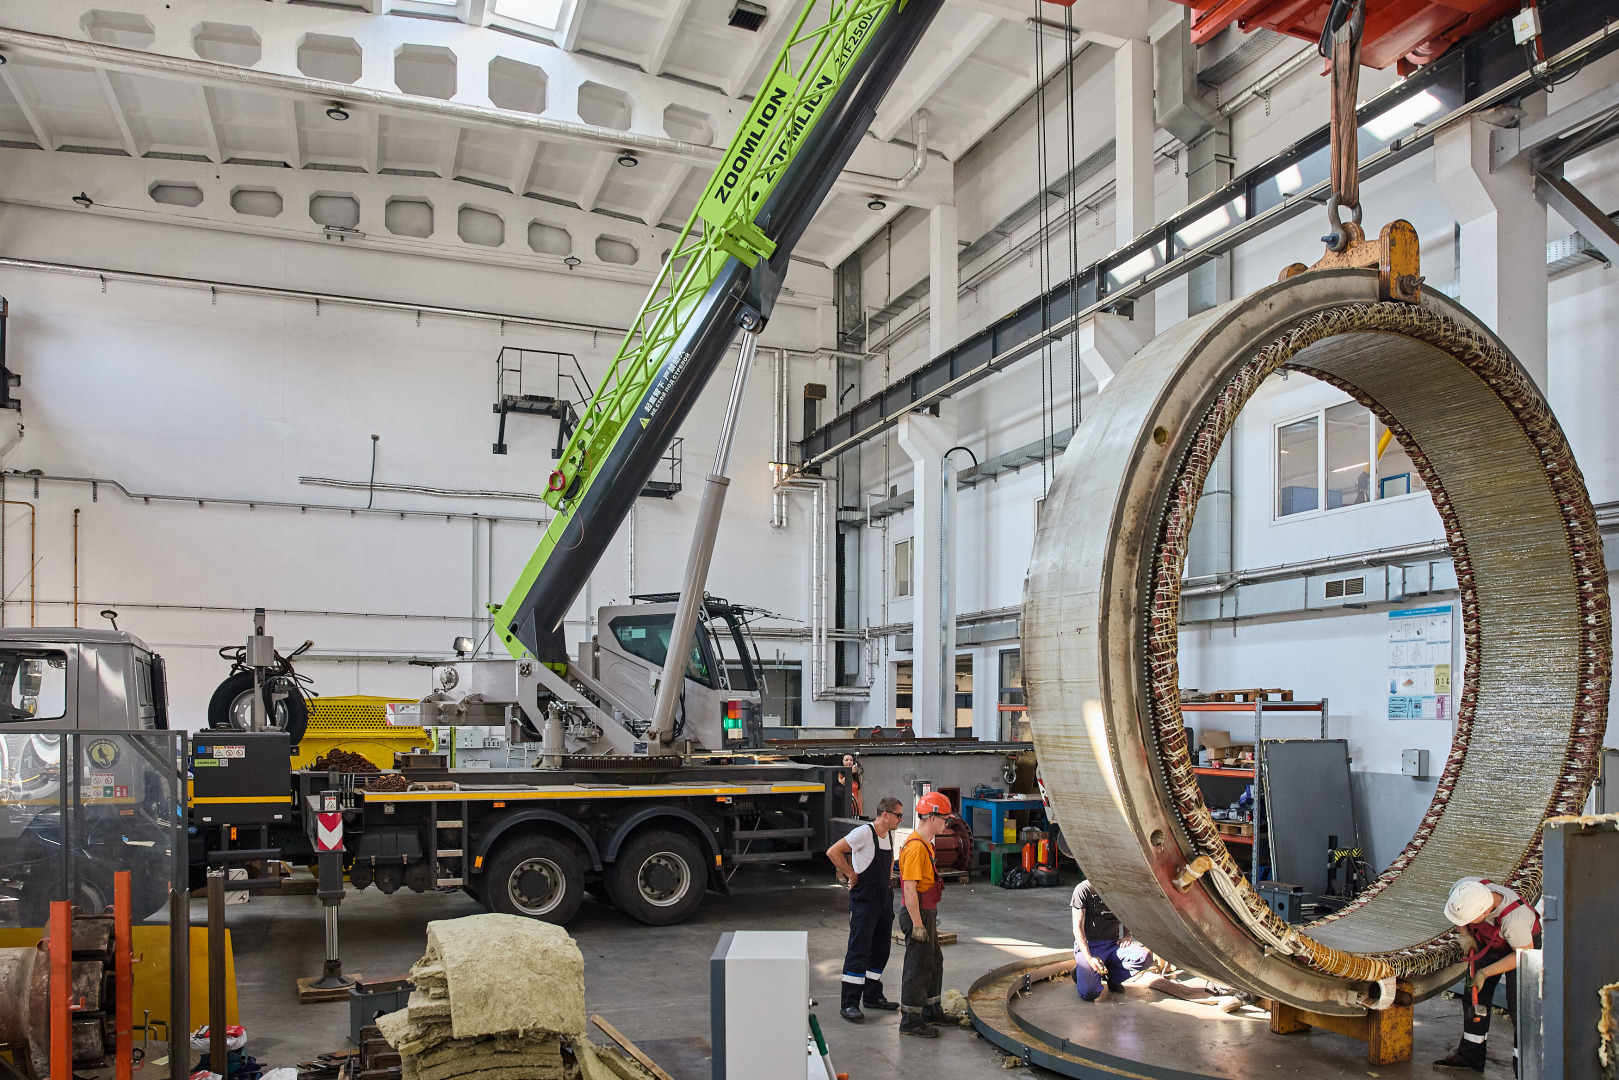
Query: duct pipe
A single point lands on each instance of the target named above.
(254, 504)
(104, 275)
(75, 566)
(919, 140)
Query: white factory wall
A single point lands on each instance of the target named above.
(1341, 656)
(176, 391)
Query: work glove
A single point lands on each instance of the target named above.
(919, 933)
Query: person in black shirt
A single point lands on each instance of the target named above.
(1097, 933)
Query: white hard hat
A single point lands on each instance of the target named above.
(1470, 900)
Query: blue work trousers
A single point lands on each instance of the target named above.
(1088, 981)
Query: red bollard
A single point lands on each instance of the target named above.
(123, 978)
(61, 944)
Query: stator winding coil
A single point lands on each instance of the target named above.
(1101, 620)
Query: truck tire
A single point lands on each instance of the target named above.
(534, 876)
(230, 707)
(658, 878)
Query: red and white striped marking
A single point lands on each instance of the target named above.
(329, 832)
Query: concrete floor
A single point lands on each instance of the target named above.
(652, 983)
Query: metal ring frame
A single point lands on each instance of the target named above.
(1101, 625)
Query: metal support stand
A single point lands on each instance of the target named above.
(330, 891)
(260, 656)
(673, 680)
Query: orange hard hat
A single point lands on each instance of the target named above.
(933, 803)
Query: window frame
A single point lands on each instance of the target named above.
(1319, 415)
(909, 544)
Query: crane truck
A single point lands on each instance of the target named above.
(636, 790)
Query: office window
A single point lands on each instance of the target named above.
(964, 696)
(903, 565)
(1011, 677)
(1396, 474)
(1298, 466)
(1349, 462)
(1340, 456)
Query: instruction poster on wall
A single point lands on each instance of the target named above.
(1419, 663)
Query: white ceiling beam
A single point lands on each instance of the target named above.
(871, 227)
(210, 126)
(1106, 22)
(659, 52)
(769, 40)
(568, 39)
(528, 156)
(666, 194)
(449, 153)
(119, 117)
(914, 91)
(371, 141)
(596, 180)
(295, 135)
(41, 136)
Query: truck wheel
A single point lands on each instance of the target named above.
(231, 707)
(535, 876)
(659, 878)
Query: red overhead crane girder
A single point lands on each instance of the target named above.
(1409, 32)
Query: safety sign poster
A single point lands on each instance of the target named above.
(1419, 663)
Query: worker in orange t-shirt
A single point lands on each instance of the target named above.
(923, 980)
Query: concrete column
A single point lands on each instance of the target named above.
(943, 280)
(925, 439)
(1502, 257)
(1107, 342)
(1133, 130)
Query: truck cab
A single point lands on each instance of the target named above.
(75, 679)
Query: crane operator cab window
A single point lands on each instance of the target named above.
(35, 686)
(647, 636)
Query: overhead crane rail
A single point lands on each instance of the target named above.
(1476, 75)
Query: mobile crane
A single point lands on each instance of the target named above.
(621, 797)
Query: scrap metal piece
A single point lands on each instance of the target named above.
(1102, 607)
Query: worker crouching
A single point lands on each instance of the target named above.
(865, 858)
(921, 887)
(1494, 924)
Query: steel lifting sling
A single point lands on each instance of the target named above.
(722, 275)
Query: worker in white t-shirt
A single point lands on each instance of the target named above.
(1494, 924)
(865, 859)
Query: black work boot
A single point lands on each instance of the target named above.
(850, 1009)
(911, 1022)
(1454, 1061)
(880, 1003)
(934, 1014)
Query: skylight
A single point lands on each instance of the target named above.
(542, 13)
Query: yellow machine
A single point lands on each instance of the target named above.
(359, 724)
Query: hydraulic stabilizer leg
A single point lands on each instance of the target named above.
(673, 680)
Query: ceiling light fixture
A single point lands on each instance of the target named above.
(2, 58)
(628, 159)
(877, 203)
(571, 261)
(84, 200)
(337, 112)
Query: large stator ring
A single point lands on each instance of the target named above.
(1102, 605)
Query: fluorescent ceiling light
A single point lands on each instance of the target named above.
(1348, 468)
(1290, 180)
(544, 13)
(1413, 110)
(1211, 224)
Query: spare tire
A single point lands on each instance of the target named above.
(231, 707)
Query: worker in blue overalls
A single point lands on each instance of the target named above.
(1494, 924)
(865, 859)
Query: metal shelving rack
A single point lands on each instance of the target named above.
(1258, 708)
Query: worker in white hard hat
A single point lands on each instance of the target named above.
(1493, 923)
